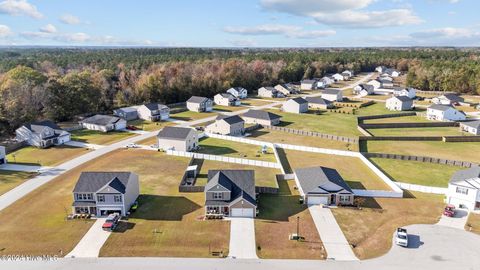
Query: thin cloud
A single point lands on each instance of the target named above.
(49, 28)
(5, 31)
(70, 19)
(19, 8)
(289, 31)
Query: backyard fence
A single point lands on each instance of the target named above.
(13, 145)
(424, 189)
(409, 125)
(238, 139)
(377, 193)
(312, 134)
(461, 138)
(401, 138)
(360, 119)
(459, 163)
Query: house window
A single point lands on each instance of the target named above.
(84, 196)
(218, 195)
(344, 199)
(117, 198)
(462, 190)
(101, 198)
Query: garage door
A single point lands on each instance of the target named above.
(242, 212)
(317, 200)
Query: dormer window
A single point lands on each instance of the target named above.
(218, 195)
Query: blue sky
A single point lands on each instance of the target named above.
(249, 23)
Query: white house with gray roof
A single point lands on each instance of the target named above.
(332, 95)
(399, 103)
(127, 113)
(260, 117)
(405, 91)
(177, 138)
(104, 123)
(104, 193)
(3, 155)
(472, 127)
(321, 185)
(199, 104)
(338, 77)
(230, 193)
(269, 92)
(295, 105)
(238, 92)
(364, 89)
(42, 134)
(153, 112)
(448, 99)
(285, 89)
(308, 84)
(226, 99)
(444, 113)
(227, 125)
(318, 103)
(464, 189)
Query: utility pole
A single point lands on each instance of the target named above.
(298, 228)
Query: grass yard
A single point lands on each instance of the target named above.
(220, 147)
(353, 170)
(189, 115)
(11, 179)
(413, 172)
(278, 219)
(466, 151)
(402, 119)
(265, 177)
(378, 97)
(148, 125)
(426, 131)
(473, 223)
(254, 102)
(149, 141)
(370, 229)
(45, 157)
(101, 138)
(228, 108)
(288, 138)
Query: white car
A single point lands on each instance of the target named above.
(132, 145)
(401, 237)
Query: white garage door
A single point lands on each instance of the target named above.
(242, 212)
(317, 200)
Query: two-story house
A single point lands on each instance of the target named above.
(227, 125)
(230, 193)
(260, 117)
(269, 92)
(399, 103)
(332, 95)
(3, 154)
(472, 127)
(104, 193)
(448, 99)
(127, 113)
(295, 105)
(177, 138)
(444, 113)
(199, 104)
(153, 112)
(42, 134)
(238, 92)
(226, 99)
(285, 89)
(464, 189)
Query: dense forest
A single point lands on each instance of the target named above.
(59, 83)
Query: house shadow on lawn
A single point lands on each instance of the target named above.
(155, 207)
(284, 160)
(257, 133)
(124, 226)
(284, 123)
(275, 208)
(181, 118)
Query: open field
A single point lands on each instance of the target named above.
(278, 219)
(45, 157)
(288, 138)
(265, 177)
(166, 223)
(423, 131)
(473, 223)
(353, 170)
(465, 151)
(371, 228)
(189, 115)
(220, 147)
(254, 102)
(148, 125)
(97, 137)
(11, 179)
(228, 108)
(415, 172)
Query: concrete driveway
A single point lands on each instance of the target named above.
(333, 240)
(458, 221)
(23, 168)
(92, 241)
(242, 239)
(83, 145)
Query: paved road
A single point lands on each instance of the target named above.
(92, 242)
(242, 238)
(333, 240)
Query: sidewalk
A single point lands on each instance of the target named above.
(92, 241)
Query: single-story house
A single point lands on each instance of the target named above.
(464, 189)
(338, 77)
(42, 134)
(127, 113)
(295, 105)
(3, 155)
(103, 123)
(448, 99)
(199, 104)
(269, 92)
(332, 95)
(153, 112)
(318, 103)
(399, 103)
(347, 74)
(263, 118)
(230, 193)
(444, 113)
(369, 89)
(408, 92)
(380, 69)
(376, 83)
(227, 125)
(104, 193)
(392, 72)
(471, 127)
(177, 138)
(307, 84)
(285, 89)
(226, 99)
(321, 185)
(238, 92)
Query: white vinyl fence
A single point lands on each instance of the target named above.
(425, 189)
(238, 139)
(377, 193)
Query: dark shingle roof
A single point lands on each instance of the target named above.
(101, 120)
(155, 106)
(462, 175)
(37, 127)
(440, 107)
(233, 119)
(263, 115)
(366, 86)
(473, 124)
(454, 97)
(241, 183)
(402, 98)
(331, 91)
(320, 180)
(299, 100)
(176, 133)
(197, 99)
(227, 95)
(308, 81)
(93, 181)
(318, 100)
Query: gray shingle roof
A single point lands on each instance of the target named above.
(197, 99)
(318, 100)
(176, 133)
(402, 98)
(155, 106)
(454, 97)
(241, 183)
(472, 124)
(321, 180)
(94, 181)
(299, 100)
(37, 127)
(233, 119)
(331, 91)
(367, 87)
(440, 107)
(101, 120)
(263, 115)
(462, 175)
(308, 81)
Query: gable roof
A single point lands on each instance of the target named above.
(94, 181)
(175, 133)
(37, 127)
(331, 91)
(269, 88)
(101, 120)
(227, 95)
(317, 100)
(128, 109)
(321, 180)
(155, 106)
(197, 99)
(472, 124)
(440, 107)
(469, 177)
(402, 98)
(309, 81)
(241, 183)
(453, 97)
(298, 100)
(230, 119)
(238, 89)
(263, 115)
(366, 86)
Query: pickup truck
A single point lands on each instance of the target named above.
(401, 237)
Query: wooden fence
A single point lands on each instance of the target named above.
(409, 125)
(312, 134)
(460, 163)
(360, 119)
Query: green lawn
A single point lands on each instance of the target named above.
(11, 179)
(228, 108)
(220, 147)
(148, 125)
(254, 102)
(189, 115)
(426, 131)
(402, 119)
(101, 138)
(415, 172)
(45, 157)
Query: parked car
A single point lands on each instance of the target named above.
(200, 128)
(111, 222)
(449, 211)
(132, 145)
(401, 237)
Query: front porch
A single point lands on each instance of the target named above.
(216, 211)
